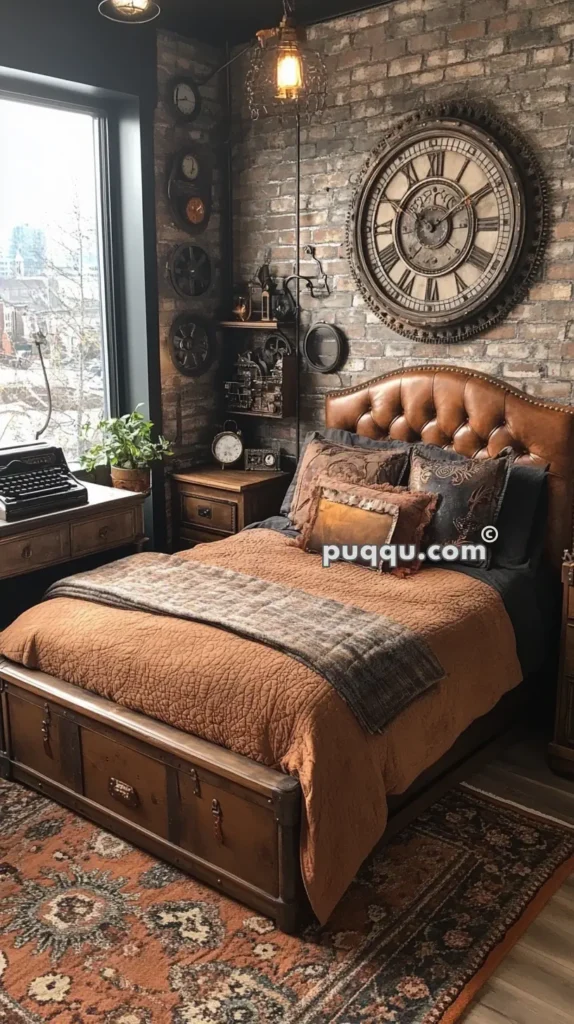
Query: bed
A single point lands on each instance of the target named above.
(238, 763)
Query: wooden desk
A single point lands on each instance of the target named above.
(112, 519)
(212, 503)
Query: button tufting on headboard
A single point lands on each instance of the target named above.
(475, 415)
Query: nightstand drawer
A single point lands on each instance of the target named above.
(40, 548)
(102, 533)
(211, 514)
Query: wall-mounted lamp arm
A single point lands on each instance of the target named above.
(228, 64)
(318, 286)
(320, 283)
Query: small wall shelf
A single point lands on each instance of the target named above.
(251, 325)
(259, 415)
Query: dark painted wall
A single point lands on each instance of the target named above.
(69, 39)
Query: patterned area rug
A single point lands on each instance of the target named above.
(91, 929)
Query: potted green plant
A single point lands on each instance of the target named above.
(126, 446)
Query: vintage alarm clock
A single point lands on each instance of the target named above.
(228, 446)
(257, 459)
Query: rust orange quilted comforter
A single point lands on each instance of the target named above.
(259, 702)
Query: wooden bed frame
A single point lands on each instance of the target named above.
(225, 819)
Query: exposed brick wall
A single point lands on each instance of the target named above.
(189, 406)
(382, 64)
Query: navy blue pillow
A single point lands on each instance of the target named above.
(340, 437)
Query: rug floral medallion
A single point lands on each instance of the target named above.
(92, 929)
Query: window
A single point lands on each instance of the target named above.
(51, 275)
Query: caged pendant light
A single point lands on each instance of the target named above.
(286, 76)
(133, 12)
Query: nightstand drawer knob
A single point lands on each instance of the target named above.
(204, 512)
(104, 532)
(27, 551)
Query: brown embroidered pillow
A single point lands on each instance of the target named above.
(349, 517)
(471, 494)
(344, 464)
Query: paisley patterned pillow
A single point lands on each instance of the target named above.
(471, 494)
(349, 440)
(345, 464)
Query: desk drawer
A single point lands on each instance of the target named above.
(34, 551)
(102, 533)
(213, 514)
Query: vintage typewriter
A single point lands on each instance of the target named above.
(34, 480)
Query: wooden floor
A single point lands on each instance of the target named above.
(535, 982)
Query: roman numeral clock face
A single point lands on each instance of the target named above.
(438, 229)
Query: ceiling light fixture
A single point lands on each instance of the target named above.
(133, 12)
(286, 76)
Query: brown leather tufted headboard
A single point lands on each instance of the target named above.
(474, 414)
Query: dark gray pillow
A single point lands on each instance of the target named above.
(522, 517)
(471, 492)
(339, 437)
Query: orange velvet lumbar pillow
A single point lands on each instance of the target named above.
(339, 515)
(350, 515)
(341, 463)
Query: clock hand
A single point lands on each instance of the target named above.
(401, 209)
(467, 201)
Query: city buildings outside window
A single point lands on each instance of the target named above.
(51, 275)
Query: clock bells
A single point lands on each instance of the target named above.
(228, 446)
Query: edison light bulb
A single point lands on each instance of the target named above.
(131, 7)
(289, 74)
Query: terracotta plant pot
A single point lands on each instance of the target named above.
(138, 480)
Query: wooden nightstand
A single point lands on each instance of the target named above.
(211, 503)
(561, 751)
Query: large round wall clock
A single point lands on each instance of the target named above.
(448, 224)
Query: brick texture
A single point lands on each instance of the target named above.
(190, 407)
(382, 64)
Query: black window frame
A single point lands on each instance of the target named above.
(128, 243)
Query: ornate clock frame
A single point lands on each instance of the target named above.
(521, 190)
